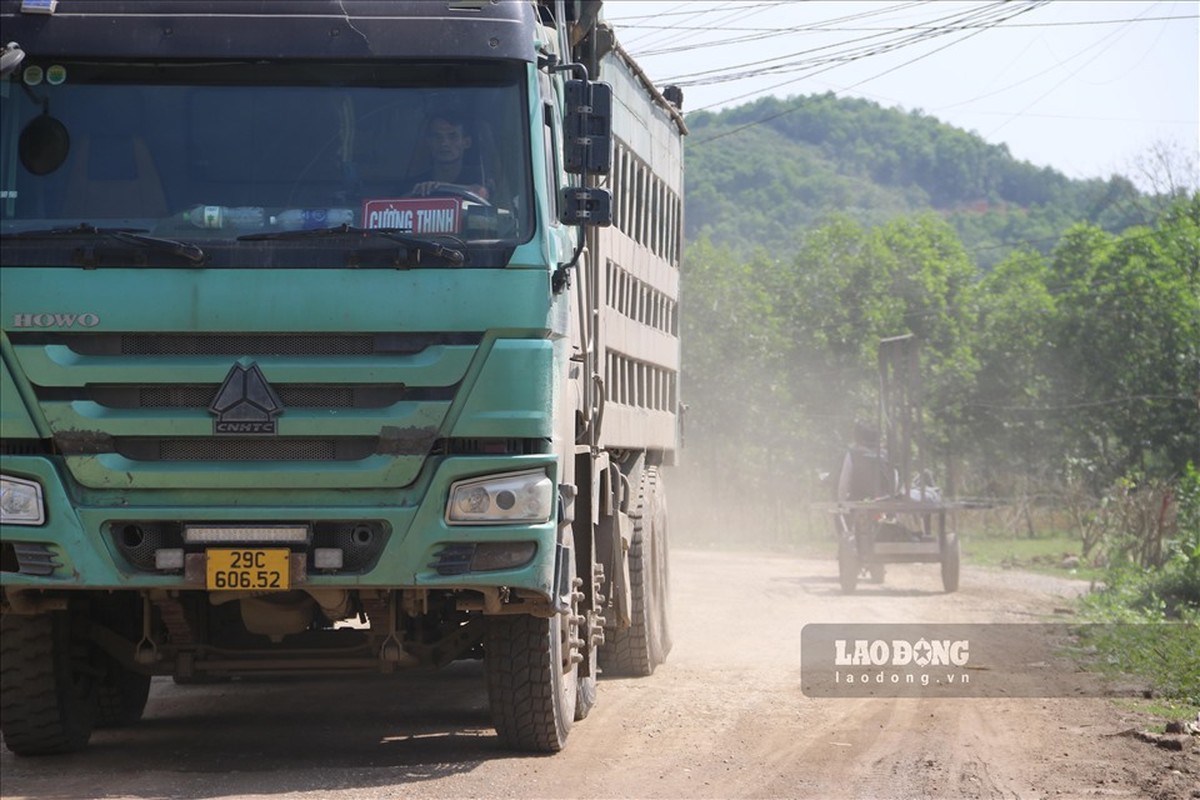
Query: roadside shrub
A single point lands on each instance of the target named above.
(1178, 582)
(1156, 606)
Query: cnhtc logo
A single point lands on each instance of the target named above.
(245, 403)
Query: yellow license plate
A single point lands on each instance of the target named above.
(246, 568)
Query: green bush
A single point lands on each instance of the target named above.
(1162, 653)
(1183, 564)
(1157, 610)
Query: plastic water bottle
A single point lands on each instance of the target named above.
(307, 219)
(226, 216)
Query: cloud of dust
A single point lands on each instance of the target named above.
(758, 467)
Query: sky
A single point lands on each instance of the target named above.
(1088, 88)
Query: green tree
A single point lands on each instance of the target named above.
(851, 286)
(1126, 360)
(1017, 315)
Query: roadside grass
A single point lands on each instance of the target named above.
(1162, 654)
(1165, 711)
(1137, 633)
(1044, 553)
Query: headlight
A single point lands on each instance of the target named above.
(21, 502)
(525, 497)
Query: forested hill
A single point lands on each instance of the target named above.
(760, 173)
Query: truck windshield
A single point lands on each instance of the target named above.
(212, 152)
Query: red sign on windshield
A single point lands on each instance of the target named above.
(417, 214)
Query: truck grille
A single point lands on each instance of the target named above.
(238, 449)
(147, 398)
(291, 395)
(240, 344)
(254, 344)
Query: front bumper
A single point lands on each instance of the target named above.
(105, 539)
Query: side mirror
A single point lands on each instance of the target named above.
(584, 206)
(588, 128)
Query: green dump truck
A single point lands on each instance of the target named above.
(338, 336)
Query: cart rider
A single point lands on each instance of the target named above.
(865, 474)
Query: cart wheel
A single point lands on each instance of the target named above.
(951, 554)
(848, 565)
(876, 573)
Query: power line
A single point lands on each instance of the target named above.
(863, 29)
(866, 80)
(1114, 36)
(698, 13)
(740, 11)
(1080, 118)
(674, 12)
(774, 32)
(851, 49)
(826, 69)
(876, 40)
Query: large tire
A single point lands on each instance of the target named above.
(121, 696)
(47, 684)
(951, 558)
(637, 650)
(121, 692)
(533, 683)
(662, 565)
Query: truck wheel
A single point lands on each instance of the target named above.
(662, 564)
(532, 679)
(46, 683)
(637, 650)
(951, 556)
(121, 692)
(121, 696)
(848, 565)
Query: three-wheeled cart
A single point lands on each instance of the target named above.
(909, 523)
(895, 530)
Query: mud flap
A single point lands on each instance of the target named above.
(622, 593)
(563, 572)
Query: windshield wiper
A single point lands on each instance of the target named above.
(131, 236)
(454, 255)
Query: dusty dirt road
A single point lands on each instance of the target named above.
(725, 717)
